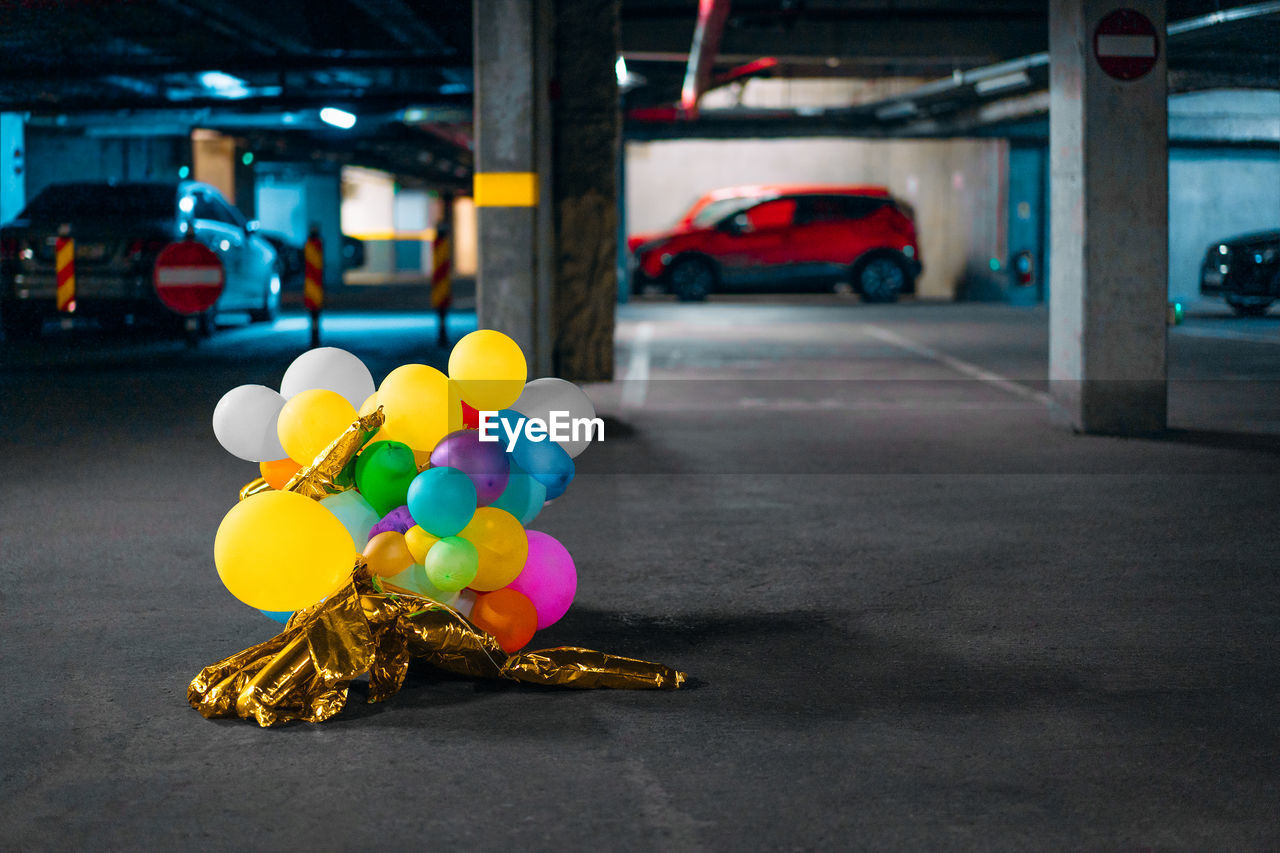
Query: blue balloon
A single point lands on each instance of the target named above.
(442, 501)
(523, 497)
(547, 462)
(281, 616)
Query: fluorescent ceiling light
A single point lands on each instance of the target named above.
(1016, 80)
(620, 69)
(224, 85)
(338, 118)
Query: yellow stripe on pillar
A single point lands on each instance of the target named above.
(506, 189)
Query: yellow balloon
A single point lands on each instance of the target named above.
(369, 406)
(419, 542)
(415, 401)
(501, 545)
(282, 551)
(311, 420)
(489, 368)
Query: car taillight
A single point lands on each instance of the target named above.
(138, 248)
(9, 249)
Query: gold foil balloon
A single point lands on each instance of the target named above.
(489, 369)
(388, 554)
(415, 401)
(282, 551)
(311, 420)
(501, 546)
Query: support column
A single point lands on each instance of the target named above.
(1109, 167)
(512, 137)
(547, 135)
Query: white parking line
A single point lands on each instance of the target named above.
(962, 367)
(635, 382)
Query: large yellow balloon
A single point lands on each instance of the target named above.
(501, 545)
(489, 368)
(282, 551)
(311, 420)
(415, 402)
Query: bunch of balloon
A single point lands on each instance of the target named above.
(426, 504)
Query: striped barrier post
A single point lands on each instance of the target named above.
(65, 264)
(442, 280)
(313, 282)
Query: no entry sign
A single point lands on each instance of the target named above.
(1126, 44)
(188, 277)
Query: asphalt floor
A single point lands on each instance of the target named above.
(916, 614)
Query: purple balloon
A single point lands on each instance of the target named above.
(485, 462)
(398, 520)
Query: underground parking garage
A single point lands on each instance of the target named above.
(935, 356)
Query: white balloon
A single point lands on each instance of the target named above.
(332, 369)
(543, 396)
(245, 423)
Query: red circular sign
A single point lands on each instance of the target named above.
(188, 277)
(1126, 44)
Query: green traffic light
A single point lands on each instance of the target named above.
(247, 158)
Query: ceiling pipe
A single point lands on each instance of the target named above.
(712, 15)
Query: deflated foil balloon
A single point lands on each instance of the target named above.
(370, 626)
(331, 472)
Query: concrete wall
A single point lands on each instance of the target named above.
(292, 196)
(55, 155)
(957, 187)
(1216, 193)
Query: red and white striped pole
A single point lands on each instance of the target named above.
(313, 281)
(442, 274)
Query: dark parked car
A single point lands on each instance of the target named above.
(784, 238)
(1244, 270)
(119, 228)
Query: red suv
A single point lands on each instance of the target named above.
(784, 238)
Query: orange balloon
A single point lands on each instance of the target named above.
(278, 472)
(508, 615)
(388, 554)
(501, 544)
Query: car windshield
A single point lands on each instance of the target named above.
(718, 210)
(124, 200)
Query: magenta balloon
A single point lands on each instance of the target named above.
(549, 578)
(485, 462)
(398, 520)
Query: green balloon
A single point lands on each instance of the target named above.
(383, 474)
(452, 563)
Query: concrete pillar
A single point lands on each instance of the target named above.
(1109, 219)
(546, 183)
(13, 168)
(587, 137)
(511, 57)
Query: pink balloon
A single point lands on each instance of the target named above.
(549, 578)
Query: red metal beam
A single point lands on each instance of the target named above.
(712, 15)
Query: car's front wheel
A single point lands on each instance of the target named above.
(1252, 308)
(692, 279)
(880, 279)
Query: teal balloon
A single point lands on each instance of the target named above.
(442, 501)
(383, 474)
(415, 580)
(281, 616)
(355, 513)
(523, 497)
(547, 462)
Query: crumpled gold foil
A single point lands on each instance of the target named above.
(333, 469)
(253, 487)
(370, 626)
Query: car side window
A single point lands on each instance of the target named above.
(821, 209)
(778, 213)
(856, 207)
(205, 207)
(229, 213)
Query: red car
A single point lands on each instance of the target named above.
(784, 238)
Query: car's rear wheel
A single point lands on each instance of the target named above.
(880, 279)
(692, 279)
(1252, 308)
